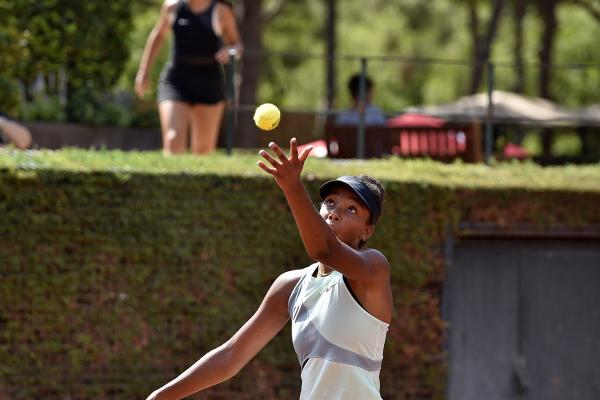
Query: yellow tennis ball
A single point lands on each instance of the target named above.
(267, 116)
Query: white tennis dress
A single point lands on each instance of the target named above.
(338, 343)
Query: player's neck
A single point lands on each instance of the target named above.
(324, 270)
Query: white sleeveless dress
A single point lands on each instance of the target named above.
(338, 343)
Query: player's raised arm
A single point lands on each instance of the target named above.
(325, 238)
(227, 360)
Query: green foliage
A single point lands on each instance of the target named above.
(56, 33)
(423, 30)
(294, 81)
(525, 175)
(568, 144)
(123, 268)
(576, 44)
(9, 100)
(9, 53)
(87, 106)
(9, 35)
(91, 108)
(97, 47)
(43, 108)
(382, 28)
(84, 40)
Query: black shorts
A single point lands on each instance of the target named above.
(198, 84)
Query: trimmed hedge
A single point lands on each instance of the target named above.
(120, 270)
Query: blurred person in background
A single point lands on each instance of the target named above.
(191, 88)
(374, 116)
(12, 132)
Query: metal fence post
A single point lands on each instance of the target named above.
(489, 126)
(362, 104)
(230, 99)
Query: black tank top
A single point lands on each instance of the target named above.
(195, 41)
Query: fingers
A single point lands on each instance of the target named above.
(279, 152)
(269, 158)
(140, 87)
(305, 153)
(283, 163)
(293, 149)
(222, 56)
(267, 169)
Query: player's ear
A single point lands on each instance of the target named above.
(367, 233)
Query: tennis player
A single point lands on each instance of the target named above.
(340, 306)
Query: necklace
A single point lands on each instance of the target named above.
(320, 275)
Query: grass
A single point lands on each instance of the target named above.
(243, 163)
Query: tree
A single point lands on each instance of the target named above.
(519, 9)
(9, 54)
(253, 17)
(547, 11)
(592, 8)
(85, 41)
(331, 50)
(482, 42)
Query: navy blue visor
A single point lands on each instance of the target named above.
(360, 189)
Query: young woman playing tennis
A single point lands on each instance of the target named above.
(340, 306)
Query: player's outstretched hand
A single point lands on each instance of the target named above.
(141, 84)
(285, 170)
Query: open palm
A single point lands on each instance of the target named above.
(285, 170)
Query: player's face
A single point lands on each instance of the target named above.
(346, 215)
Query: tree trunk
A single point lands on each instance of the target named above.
(482, 44)
(331, 49)
(547, 10)
(474, 26)
(518, 16)
(251, 34)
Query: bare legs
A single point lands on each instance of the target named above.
(176, 119)
(206, 121)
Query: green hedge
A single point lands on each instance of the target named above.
(120, 269)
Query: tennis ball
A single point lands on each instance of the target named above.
(267, 116)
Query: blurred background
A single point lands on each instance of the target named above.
(75, 63)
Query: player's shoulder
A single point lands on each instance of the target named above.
(283, 286)
(290, 278)
(170, 5)
(377, 258)
(374, 253)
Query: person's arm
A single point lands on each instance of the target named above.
(229, 33)
(153, 45)
(15, 133)
(227, 360)
(369, 266)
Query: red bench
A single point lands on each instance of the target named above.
(445, 144)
